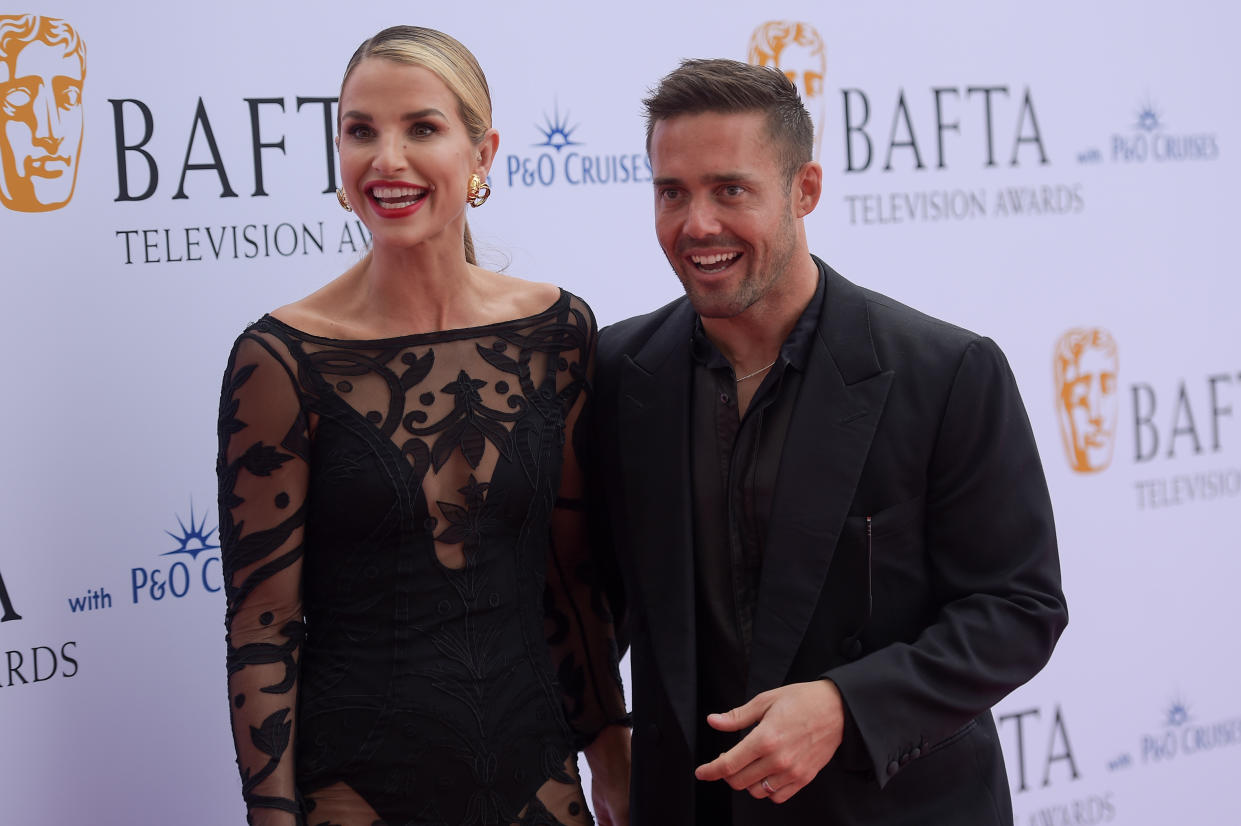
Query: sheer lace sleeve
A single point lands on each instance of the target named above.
(262, 470)
(579, 620)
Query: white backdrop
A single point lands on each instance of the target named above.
(1086, 182)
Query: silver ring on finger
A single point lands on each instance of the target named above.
(767, 786)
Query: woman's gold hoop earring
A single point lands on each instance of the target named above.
(478, 193)
(343, 199)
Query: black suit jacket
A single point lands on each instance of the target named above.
(911, 559)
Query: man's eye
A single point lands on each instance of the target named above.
(70, 97)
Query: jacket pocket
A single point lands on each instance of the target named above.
(881, 555)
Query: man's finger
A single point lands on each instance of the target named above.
(721, 767)
(785, 791)
(751, 777)
(729, 763)
(740, 760)
(775, 785)
(742, 716)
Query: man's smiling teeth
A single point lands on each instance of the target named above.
(715, 262)
(396, 197)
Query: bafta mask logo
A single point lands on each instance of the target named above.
(1086, 364)
(797, 50)
(42, 66)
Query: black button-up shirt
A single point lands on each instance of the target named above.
(735, 460)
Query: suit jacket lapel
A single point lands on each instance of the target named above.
(838, 407)
(654, 439)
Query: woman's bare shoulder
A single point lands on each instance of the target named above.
(521, 297)
(319, 313)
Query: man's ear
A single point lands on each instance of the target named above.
(807, 188)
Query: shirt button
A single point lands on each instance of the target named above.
(723, 398)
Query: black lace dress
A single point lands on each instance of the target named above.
(414, 632)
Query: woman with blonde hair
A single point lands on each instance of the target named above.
(415, 635)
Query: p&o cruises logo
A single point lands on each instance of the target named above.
(187, 573)
(1150, 139)
(1182, 736)
(194, 566)
(42, 70)
(564, 162)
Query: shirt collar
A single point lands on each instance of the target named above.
(796, 348)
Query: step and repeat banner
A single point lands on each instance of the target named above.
(1061, 177)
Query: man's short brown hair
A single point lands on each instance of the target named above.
(728, 86)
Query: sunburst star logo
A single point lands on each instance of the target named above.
(194, 539)
(1148, 118)
(1178, 714)
(557, 132)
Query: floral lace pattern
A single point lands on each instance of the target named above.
(415, 630)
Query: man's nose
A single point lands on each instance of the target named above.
(701, 220)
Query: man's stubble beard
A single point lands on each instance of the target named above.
(752, 287)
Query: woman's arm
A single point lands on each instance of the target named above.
(262, 470)
(580, 623)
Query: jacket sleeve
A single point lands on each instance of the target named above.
(262, 471)
(992, 571)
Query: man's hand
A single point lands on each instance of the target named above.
(798, 729)
(608, 757)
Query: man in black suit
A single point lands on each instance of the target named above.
(827, 509)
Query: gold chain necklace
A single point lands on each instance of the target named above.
(756, 372)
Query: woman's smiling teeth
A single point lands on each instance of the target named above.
(714, 263)
(397, 197)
